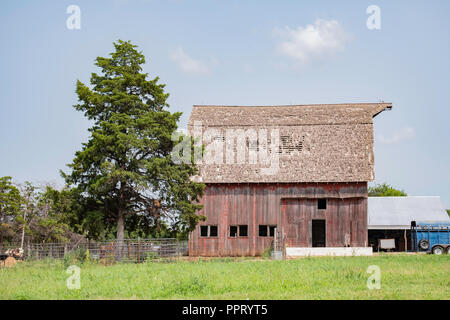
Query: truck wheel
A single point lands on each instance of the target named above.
(438, 250)
(447, 251)
(424, 244)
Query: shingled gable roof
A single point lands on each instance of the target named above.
(336, 141)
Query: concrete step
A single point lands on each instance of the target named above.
(329, 251)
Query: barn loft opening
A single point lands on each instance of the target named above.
(233, 231)
(321, 204)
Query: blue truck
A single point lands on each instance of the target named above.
(431, 237)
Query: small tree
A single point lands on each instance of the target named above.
(126, 165)
(30, 197)
(385, 190)
(10, 208)
(55, 213)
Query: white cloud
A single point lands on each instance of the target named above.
(187, 64)
(322, 39)
(405, 133)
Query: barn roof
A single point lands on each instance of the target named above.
(291, 115)
(398, 212)
(318, 143)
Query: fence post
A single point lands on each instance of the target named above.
(139, 250)
(128, 250)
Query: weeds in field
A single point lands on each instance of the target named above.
(76, 257)
(403, 277)
(266, 254)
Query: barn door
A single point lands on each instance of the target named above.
(318, 231)
(295, 225)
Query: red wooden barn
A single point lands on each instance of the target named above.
(298, 171)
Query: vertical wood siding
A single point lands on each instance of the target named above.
(290, 206)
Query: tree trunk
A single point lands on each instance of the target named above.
(23, 229)
(120, 234)
(121, 222)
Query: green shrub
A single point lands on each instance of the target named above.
(150, 256)
(267, 253)
(78, 256)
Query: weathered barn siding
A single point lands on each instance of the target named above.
(346, 221)
(272, 204)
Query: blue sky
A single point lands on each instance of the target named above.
(234, 52)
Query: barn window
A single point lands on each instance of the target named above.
(243, 231)
(321, 204)
(208, 231)
(272, 231)
(233, 231)
(265, 230)
(203, 231)
(213, 231)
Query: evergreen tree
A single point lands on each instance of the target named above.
(126, 165)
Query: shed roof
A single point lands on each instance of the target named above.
(318, 143)
(398, 212)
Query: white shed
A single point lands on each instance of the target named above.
(388, 213)
(389, 218)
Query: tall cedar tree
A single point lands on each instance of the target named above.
(126, 164)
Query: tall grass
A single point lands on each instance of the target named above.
(402, 277)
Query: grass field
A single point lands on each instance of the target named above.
(402, 277)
